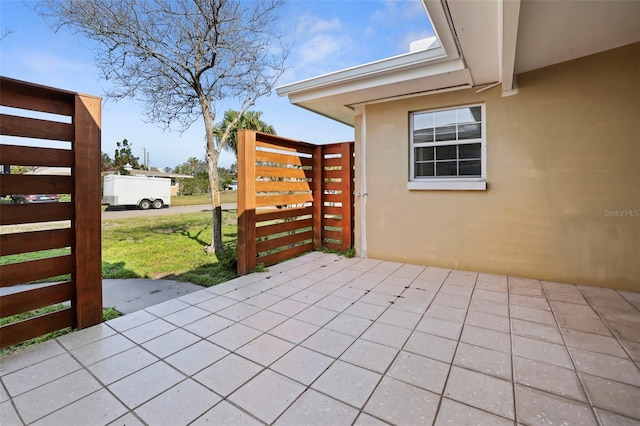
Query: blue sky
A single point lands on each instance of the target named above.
(328, 36)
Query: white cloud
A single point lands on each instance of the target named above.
(309, 24)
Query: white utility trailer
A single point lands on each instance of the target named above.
(142, 191)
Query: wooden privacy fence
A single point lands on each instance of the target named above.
(293, 197)
(30, 250)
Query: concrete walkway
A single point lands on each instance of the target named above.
(131, 295)
(325, 340)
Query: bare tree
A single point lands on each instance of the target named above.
(180, 58)
(5, 32)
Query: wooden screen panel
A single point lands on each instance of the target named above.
(282, 200)
(291, 160)
(11, 125)
(282, 186)
(36, 184)
(18, 214)
(36, 156)
(24, 301)
(24, 242)
(278, 228)
(33, 97)
(19, 332)
(264, 216)
(274, 258)
(274, 243)
(32, 270)
(282, 172)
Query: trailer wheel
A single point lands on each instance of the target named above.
(157, 204)
(144, 204)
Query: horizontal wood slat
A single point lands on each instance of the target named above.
(266, 245)
(11, 125)
(282, 214)
(285, 172)
(35, 184)
(334, 148)
(273, 258)
(25, 272)
(332, 246)
(23, 330)
(332, 198)
(24, 242)
(35, 156)
(277, 228)
(272, 157)
(284, 147)
(16, 214)
(330, 210)
(275, 186)
(332, 235)
(332, 162)
(19, 94)
(24, 301)
(332, 174)
(282, 200)
(334, 223)
(280, 141)
(332, 186)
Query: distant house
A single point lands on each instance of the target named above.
(509, 143)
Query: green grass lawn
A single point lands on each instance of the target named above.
(191, 200)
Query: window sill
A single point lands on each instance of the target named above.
(448, 185)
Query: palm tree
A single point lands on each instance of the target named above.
(250, 120)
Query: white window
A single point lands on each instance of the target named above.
(448, 149)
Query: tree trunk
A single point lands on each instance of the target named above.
(216, 223)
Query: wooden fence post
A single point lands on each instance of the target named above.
(88, 223)
(246, 201)
(318, 198)
(346, 156)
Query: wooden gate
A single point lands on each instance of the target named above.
(73, 121)
(293, 197)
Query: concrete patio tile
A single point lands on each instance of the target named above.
(233, 337)
(264, 320)
(239, 311)
(29, 356)
(143, 385)
(387, 334)
(593, 342)
(539, 408)
(242, 294)
(367, 420)
(334, 303)
(171, 306)
(48, 398)
(302, 365)
(294, 330)
(196, 297)
(316, 316)
(84, 337)
(257, 396)
(400, 403)
(372, 356)
(313, 408)
(420, 371)
(98, 408)
(196, 357)
(530, 314)
(288, 307)
(380, 299)
(400, 318)
(549, 333)
(606, 366)
(454, 413)
(484, 361)
(97, 351)
(566, 297)
(462, 292)
(216, 304)
(130, 321)
(573, 310)
(329, 342)
(118, 366)
(449, 329)
(127, 420)
(347, 383)
(490, 295)
(612, 419)
(446, 313)
(283, 290)
(308, 297)
(492, 322)
(8, 415)
(595, 326)
(170, 343)
(179, 405)
(227, 374)
(38, 374)
(4, 396)
(223, 288)
(431, 346)
(538, 350)
(633, 348)
(481, 391)
(206, 326)
(302, 282)
(625, 330)
(349, 293)
(613, 396)
(454, 301)
(149, 330)
(548, 378)
(263, 300)
(226, 414)
(365, 310)
(348, 324)
(265, 349)
(410, 305)
(529, 302)
(591, 291)
(485, 338)
(489, 307)
(491, 286)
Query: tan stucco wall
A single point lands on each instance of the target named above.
(562, 156)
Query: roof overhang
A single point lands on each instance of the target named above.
(479, 44)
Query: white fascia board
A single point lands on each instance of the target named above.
(509, 35)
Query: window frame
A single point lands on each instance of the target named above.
(449, 183)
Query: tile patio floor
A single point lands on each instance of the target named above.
(332, 341)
